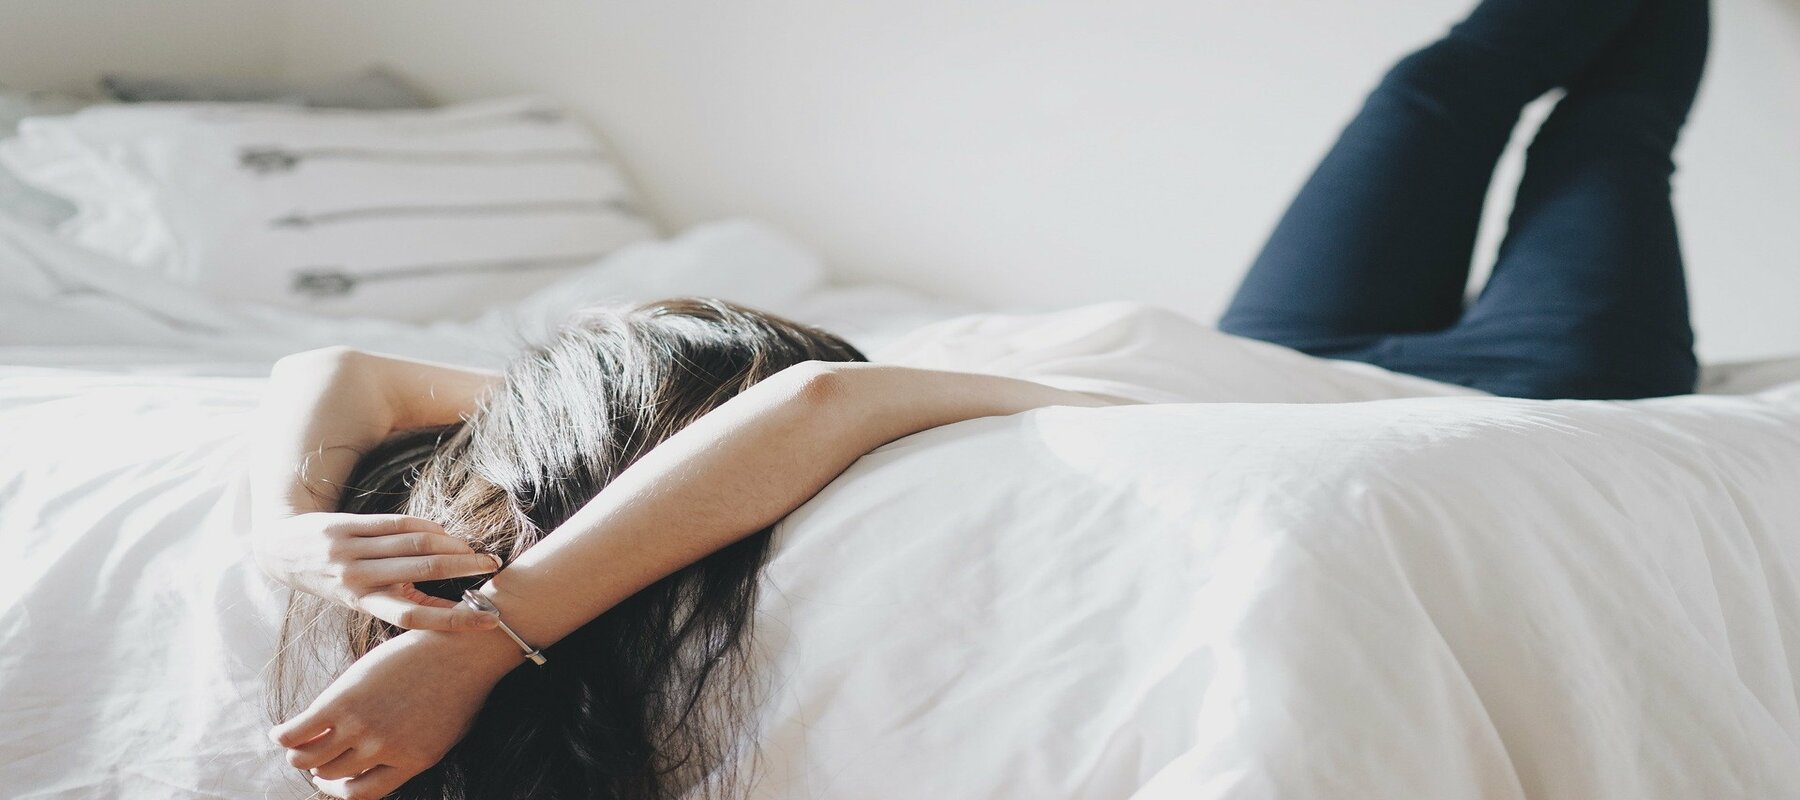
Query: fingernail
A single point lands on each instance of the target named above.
(498, 564)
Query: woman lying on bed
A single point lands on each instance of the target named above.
(619, 483)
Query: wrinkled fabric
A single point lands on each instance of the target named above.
(1444, 596)
(1431, 597)
(1439, 597)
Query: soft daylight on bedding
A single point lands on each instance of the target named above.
(1383, 400)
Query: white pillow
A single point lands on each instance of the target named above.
(413, 215)
(18, 199)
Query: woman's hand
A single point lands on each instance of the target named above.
(395, 712)
(369, 562)
(323, 409)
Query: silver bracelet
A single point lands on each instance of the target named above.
(480, 602)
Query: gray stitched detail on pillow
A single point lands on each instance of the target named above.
(304, 219)
(323, 282)
(374, 90)
(271, 160)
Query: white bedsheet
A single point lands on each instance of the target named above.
(1443, 598)
(1434, 597)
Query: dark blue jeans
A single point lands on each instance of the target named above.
(1587, 298)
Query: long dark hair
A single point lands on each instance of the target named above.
(644, 701)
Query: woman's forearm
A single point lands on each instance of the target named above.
(737, 470)
(322, 411)
(324, 408)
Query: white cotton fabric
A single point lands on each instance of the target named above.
(1444, 597)
(1448, 595)
(134, 630)
(1148, 354)
(1435, 597)
(412, 215)
(62, 305)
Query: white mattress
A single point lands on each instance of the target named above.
(1432, 597)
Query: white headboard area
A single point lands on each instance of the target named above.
(1040, 153)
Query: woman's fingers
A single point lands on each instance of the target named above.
(389, 605)
(302, 728)
(409, 543)
(347, 765)
(319, 751)
(376, 783)
(338, 788)
(411, 592)
(385, 524)
(414, 569)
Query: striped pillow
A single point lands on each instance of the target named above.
(411, 215)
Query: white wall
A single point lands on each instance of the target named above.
(1049, 152)
(1056, 151)
(67, 44)
(1046, 152)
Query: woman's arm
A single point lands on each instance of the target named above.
(323, 409)
(736, 470)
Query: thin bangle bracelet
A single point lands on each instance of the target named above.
(481, 603)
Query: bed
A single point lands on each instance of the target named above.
(1443, 597)
(1413, 597)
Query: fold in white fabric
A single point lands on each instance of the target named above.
(1150, 355)
(1441, 596)
(1432, 597)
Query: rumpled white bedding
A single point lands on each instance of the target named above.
(1437, 597)
(64, 306)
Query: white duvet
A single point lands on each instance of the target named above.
(1443, 598)
(1436, 597)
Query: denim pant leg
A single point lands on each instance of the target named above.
(1587, 299)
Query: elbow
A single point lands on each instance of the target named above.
(324, 360)
(818, 391)
(815, 384)
(334, 354)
